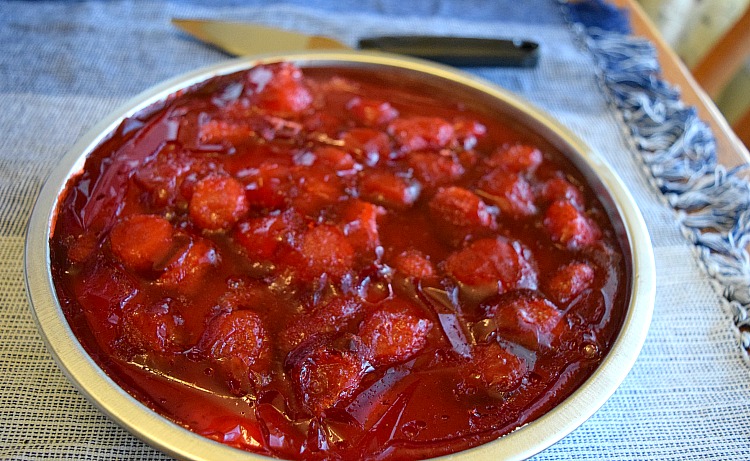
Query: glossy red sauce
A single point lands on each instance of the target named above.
(330, 266)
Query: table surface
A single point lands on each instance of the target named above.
(730, 150)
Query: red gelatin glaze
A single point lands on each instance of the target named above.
(312, 264)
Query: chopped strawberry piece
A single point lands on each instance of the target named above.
(525, 317)
(333, 158)
(497, 368)
(218, 202)
(509, 191)
(260, 237)
(468, 159)
(360, 224)
(325, 250)
(567, 225)
(140, 242)
(418, 133)
(187, 186)
(279, 88)
(394, 332)
(267, 186)
(367, 145)
(569, 281)
(493, 261)
(460, 207)
(171, 174)
(233, 335)
(246, 294)
(459, 213)
(217, 131)
(518, 158)
(162, 176)
(190, 265)
(371, 112)
(388, 189)
(561, 189)
(328, 317)
(82, 247)
(315, 190)
(237, 343)
(413, 263)
(258, 162)
(468, 132)
(239, 109)
(322, 123)
(154, 328)
(434, 169)
(323, 375)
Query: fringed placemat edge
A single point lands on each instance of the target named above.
(677, 151)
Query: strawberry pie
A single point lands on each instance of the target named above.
(307, 263)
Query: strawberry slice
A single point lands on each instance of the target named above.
(525, 317)
(324, 376)
(332, 158)
(434, 169)
(509, 191)
(162, 175)
(569, 281)
(315, 191)
(567, 225)
(327, 317)
(518, 158)
(103, 291)
(498, 262)
(324, 249)
(413, 263)
(459, 213)
(388, 189)
(140, 242)
(236, 335)
(421, 132)
(360, 224)
(188, 266)
(268, 186)
(371, 112)
(218, 202)
(237, 343)
(154, 328)
(367, 145)
(497, 368)
(261, 237)
(279, 88)
(217, 131)
(394, 332)
(469, 131)
(561, 189)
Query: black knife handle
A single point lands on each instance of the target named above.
(459, 51)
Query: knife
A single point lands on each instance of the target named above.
(237, 38)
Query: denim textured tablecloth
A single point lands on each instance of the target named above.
(65, 65)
